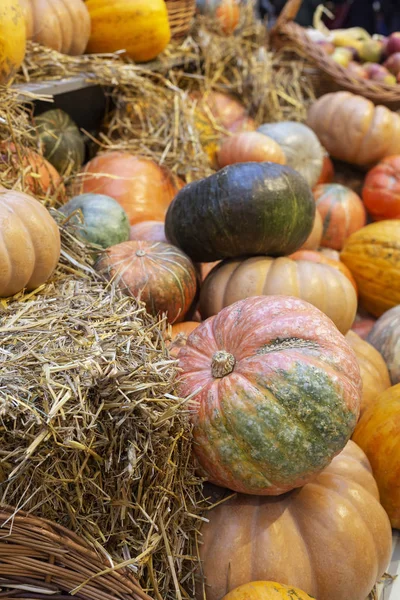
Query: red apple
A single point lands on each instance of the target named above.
(393, 63)
(357, 70)
(393, 44)
(379, 73)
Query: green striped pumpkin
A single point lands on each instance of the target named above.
(62, 142)
(276, 391)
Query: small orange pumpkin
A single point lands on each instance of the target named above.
(249, 146)
(266, 590)
(381, 191)
(179, 335)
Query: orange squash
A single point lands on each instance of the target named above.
(12, 39)
(266, 590)
(225, 12)
(313, 241)
(328, 171)
(378, 434)
(374, 372)
(249, 146)
(179, 334)
(381, 191)
(152, 231)
(319, 257)
(373, 256)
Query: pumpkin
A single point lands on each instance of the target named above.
(378, 433)
(158, 274)
(225, 12)
(152, 231)
(302, 149)
(247, 208)
(12, 39)
(178, 336)
(276, 393)
(319, 284)
(328, 171)
(342, 212)
(385, 337)
(362, 325)
(63, 25)
(374, 372)
(266, 590)
(29, 243)
(206, 268)
(39, 177)
(61, 139)
(139, 185)
(353, 129)
(331, 538)
(373, 256)
(105, 223)
(139, 27)
(313, 241)
(249, 146)
(381, 191)
(319, 257)
(330, 253)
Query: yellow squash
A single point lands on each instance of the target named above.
(140, 27)
(12, 39)
(266, 590)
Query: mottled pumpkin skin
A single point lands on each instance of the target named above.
(62, 142)
(381, 191)
(280, 393)
(342, 213)
(266, 590)
(373, 256)
(378, 434)
(158, 274)
(385, 337)
(374, 372)
(330, 538)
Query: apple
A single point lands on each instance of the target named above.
(342, 56)
(326, 46)
(357, 70)
(393, 44)
(379, 73)
(371, 51)
(392, 64)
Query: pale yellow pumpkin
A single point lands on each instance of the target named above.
(140, 27)
(12, 39)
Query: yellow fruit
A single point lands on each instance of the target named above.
(12, 39)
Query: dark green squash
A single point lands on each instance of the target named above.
(105, 221)
(62, 141)
(243, 209)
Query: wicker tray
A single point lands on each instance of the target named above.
(181, 13)
(327, 75)
(40, 559)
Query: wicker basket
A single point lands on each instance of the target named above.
(328, 75)
(181, 13)
(39, 559)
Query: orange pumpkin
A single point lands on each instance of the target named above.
(178, 335)
(142, 188)
(151, 231)
(158, 274)
(381, 191)
(342, 212)
(378, 434)
(328, 171)
(313, 241)
(319, 257)
(249, 146)
(374, 372)
(266, 590)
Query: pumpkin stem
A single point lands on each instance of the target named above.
(222, 363)
(140, 252)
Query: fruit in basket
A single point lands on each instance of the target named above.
(320, 257)
(247, 208)
(62, 142)
(373, 256)
(320, 284)
(249, 146)
(353, 130)
(342, 56)
(385, 337)
(381, 191)
(371, 51)
(104, 223)
(300, 538)
(326, 46)
(313, 241)
(276, 393)
(12, 39)
(139, 27)
(29, 243)
(347, 37)
(63, 25)
(357, 70)
(302, 149)
(138, 184)
(225, 12)
(266, 590)
(392, 64)
(378, 433)
(152, 231)
(379, 73)
(342, 213)
(393, 43)
(158, 274)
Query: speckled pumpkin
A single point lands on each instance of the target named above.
(266, 590)
(385, 337)
(276, 393)
(63, 144)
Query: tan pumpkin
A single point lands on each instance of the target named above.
(29, 243)
(12, 39)
(331, 538)
(321, 285)
(374, 372)
(63, 25)
(249, 146)
(352, 129)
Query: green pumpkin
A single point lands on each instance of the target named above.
(61, 139)
(244, 209)
(105, 221)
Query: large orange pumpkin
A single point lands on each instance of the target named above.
(342, 213)
(373, 256)
(374, 372)
(381, 191)
(319, 257)
(378, 434)
(158, 274)
(142, 188)
(266, 590)
(331, 538)
(320, 284)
